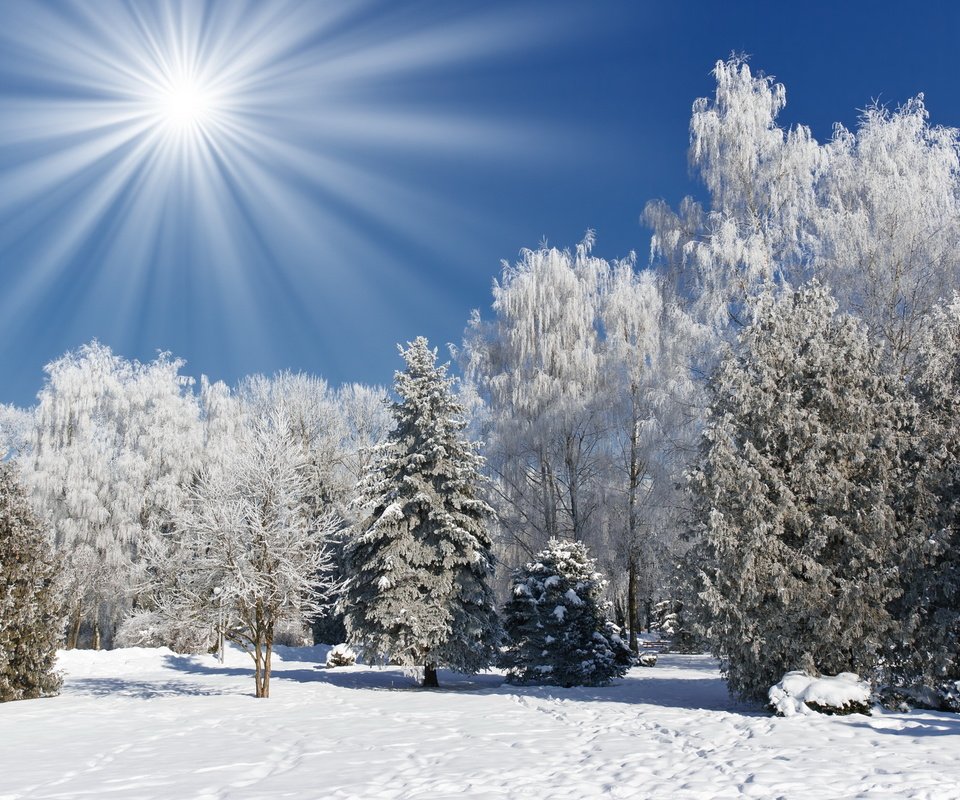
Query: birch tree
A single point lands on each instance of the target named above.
(538, 365)
(113, 445)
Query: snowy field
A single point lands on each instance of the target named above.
(148, 723)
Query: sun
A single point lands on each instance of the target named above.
(184, 105)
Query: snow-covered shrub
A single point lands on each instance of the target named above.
(647, 658)
(147, 628)
(948, 693)
(31, 616)
(341, 656)
(928, 653)
(800, 693)
(293, 633)
(556, 624)
(671, 618)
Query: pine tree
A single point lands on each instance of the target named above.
(30, 614)
(798, 493)
(555, 622)
(418, 590)
(930, 649)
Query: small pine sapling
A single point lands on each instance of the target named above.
(556, 623)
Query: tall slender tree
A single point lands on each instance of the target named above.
(419, 566)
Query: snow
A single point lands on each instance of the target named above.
(147, 723)
(792, 694)
(573, 598)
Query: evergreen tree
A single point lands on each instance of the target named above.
(30, 615)
(930, 648)
(556, 625)
(418, 590)
(799, 496)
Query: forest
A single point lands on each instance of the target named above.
(746, 437)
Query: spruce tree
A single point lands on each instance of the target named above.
(419, 567)
(555, 622)
(929, 650)
(31, 623)
(799, 497)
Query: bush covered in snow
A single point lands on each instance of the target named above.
(152, 629)
(556, 625)
(647, 658)
(671, 618)
(800, 693)
(341, 656)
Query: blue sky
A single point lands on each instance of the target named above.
(304, 184)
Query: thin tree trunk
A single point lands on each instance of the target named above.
(267, 654)
(549, 510)
(573, 489)
(258, 666)
(96, 634)
(430, 676)
(633, 603)
(75, 627)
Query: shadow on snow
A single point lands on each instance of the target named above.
(141, 690)
(659, 686)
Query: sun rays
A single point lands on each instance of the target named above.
(206, 161)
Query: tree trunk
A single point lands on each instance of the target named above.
(430, 677)
(546, 487)
(635, 471)
(258, 666)
(96, 634)
(633, 603)
(267, 654)
(573, 488)
(75, 627)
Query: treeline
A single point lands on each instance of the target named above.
(759, 427)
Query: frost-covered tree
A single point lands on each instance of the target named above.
(651, 416)
(113, 445)
(420, 563)
(249, 551)
(30, 610)
(589, 410)
(15, 426)
(802, 528)
(555, 622)
(930, 648)
(873, 212)
(538, 366)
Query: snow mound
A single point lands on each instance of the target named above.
(800, 693)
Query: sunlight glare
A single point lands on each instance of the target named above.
(185, 105)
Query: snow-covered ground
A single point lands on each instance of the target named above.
(147, 723)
